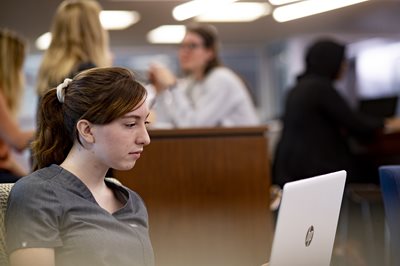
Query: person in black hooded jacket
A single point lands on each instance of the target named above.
(318, 122)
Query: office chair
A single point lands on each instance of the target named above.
(390, 186)
(4, 192)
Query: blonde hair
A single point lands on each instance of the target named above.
(77, 38)
(12, 56)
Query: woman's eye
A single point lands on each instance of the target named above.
(130, 125)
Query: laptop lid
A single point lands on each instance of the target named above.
(307, 221)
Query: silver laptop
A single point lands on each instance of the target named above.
(307, 221)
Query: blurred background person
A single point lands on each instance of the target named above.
(78, 42)
(318, 122)
(12, 56)
(209, 94)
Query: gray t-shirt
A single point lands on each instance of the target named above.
(52, 208)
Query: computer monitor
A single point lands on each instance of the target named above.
(379, 107)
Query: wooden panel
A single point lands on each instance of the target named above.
(206, 191)
(384, 149)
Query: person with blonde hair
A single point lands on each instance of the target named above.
(78, 42)
(67, 212)
(12, 56)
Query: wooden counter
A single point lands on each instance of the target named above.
(207, 194)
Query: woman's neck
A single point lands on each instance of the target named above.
(197, 74)
(80, 163)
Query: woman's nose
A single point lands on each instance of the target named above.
(144, 137)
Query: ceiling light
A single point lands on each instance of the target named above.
(43, 42)
(236, 12)
(309, 7)
(110, 20)
(167, 34)
(281, 2)
(197, 7)
(118, 19)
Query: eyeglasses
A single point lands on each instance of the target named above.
(190, 46)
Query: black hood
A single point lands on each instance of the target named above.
(324, 58)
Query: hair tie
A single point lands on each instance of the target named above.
(61, 89)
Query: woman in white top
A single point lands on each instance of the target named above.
(209, 95)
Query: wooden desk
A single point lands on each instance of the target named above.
(207, 194)
(386, 145)
(384, 149)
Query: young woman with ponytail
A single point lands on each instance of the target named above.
(66, 212)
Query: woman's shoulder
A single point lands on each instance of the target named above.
(36, 181)
(224, 75)
(222, 71)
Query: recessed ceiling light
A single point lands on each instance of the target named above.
(281, 2)
(236, 12)
(43, 42)
(167, 34)
(196, 7)
(118, 19)
(110, 20)
(309, 7)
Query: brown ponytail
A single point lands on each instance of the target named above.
(53, 141)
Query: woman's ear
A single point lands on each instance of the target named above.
(84, 128)
(210, 54)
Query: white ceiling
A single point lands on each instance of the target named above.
(377, 17)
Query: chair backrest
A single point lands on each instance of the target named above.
(4, 192)
(390, 186)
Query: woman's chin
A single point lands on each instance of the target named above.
(125, 167)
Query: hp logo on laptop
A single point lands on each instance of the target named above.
(309, 235)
